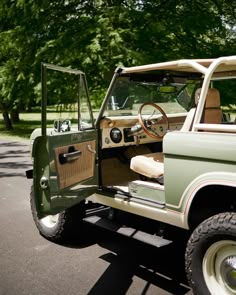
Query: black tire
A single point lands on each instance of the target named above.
(61, 227)
(210, 257)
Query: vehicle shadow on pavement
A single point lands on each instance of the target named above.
(154, 266)
(162, 268)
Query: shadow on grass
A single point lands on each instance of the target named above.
(22, 129)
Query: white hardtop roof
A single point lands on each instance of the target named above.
(222, 64)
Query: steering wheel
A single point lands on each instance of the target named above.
(153, 126)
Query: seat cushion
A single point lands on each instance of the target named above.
(149, 165)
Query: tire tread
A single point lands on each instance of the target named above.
(220, 224)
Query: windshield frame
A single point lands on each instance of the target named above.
(150, 77)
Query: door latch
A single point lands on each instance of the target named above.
(44, 182)
(90, 149)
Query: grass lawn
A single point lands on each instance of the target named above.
(29, 121)
(23, 129)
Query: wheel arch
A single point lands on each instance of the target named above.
(210, 194)
(209, 200)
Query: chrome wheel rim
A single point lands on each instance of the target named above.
(219, 267)
(50, 221)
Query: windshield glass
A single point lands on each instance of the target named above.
(173, 95)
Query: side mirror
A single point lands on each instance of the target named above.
(57, 125)
(62, 126)
(66, 126)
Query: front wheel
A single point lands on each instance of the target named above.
(210, 258)
(59, 227)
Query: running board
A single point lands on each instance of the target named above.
(144, 237)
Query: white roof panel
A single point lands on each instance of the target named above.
(227, 63)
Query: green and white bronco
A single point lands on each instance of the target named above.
(161, 147)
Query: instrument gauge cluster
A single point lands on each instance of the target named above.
(116, 135)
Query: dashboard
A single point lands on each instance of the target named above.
(115, 131)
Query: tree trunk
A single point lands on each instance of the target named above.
(6, 117)
(7, 120)
(15, 116)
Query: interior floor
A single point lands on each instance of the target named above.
(115, 164)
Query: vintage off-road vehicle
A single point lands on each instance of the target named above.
(161, 147)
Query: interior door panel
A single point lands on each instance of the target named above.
(77, 168)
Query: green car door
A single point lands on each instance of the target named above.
(65, 159)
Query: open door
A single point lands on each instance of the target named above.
(65, 165)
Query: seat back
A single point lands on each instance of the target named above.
(212, 111)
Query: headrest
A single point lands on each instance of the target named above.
(212, 98)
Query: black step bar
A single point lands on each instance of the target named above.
(131, 232)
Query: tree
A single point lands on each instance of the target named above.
(97, 36)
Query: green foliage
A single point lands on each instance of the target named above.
(97, 36)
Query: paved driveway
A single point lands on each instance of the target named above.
(106, 264)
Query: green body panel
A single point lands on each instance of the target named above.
(41, 168)
(52, 199)
(193, 158)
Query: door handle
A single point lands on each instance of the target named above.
(71, 156)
